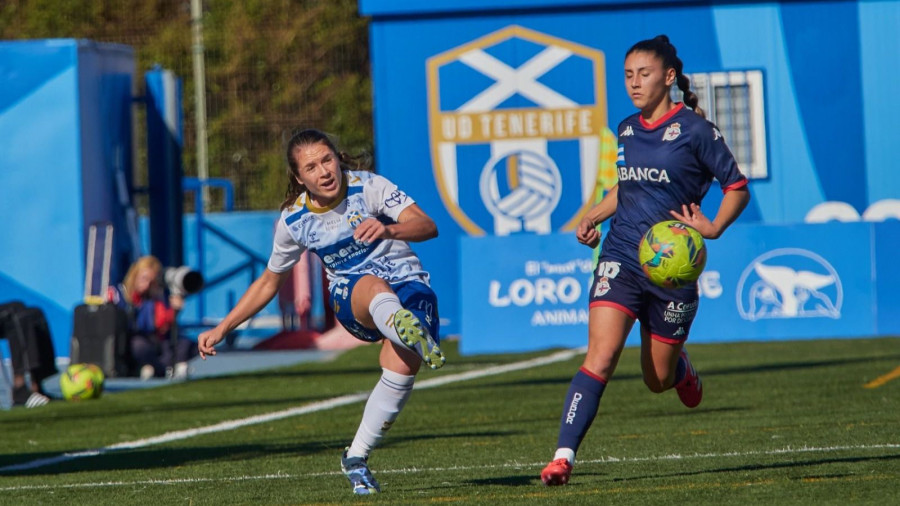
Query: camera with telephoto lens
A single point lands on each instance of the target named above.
(182, 280)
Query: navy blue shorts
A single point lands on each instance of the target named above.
(667, 314)
(414, 296)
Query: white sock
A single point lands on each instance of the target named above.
(382, 309)
(565, 453)
(382, 408)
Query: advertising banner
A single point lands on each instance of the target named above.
(529, 292)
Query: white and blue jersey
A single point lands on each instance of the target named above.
(662, 166)
(328, 233)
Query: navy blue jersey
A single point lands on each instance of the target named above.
(662, 166)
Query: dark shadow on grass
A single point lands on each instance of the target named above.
(181, 407)
(789, 366)
(558, 380)
(521, 480)
(531, 480)
(396, 439)
(157, 458)
(764, 467)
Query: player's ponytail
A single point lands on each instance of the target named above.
(660, 46)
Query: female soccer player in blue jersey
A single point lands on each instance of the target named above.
(358, 223)
(668, 156)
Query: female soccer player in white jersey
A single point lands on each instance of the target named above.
(684, 152)
(358, 223)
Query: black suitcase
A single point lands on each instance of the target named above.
(100, 328)
(100, 336)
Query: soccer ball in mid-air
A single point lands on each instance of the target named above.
(81, 381)
(672, 254)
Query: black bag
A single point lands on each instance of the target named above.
(100, 336)
(29, 339)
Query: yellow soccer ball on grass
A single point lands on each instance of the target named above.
(81, 381)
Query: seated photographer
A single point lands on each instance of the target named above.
(155, 349)
(32, 351)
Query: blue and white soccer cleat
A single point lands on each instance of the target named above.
(356, 469)
(414, 335)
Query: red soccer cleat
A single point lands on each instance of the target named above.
(557, 472)
(690, 389)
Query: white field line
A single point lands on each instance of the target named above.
(334, 402)
(508, 465)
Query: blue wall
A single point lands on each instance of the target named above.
(829, 74)
(65, 114)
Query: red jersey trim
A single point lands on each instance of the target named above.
(735, 186)
(666, 117)
(667, 340)
(603, 303)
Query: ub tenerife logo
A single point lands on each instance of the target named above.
(518, 131)
(789, 283)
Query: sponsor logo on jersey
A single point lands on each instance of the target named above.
(716, 134)
(346, 252)
(628, 132)
(643, 174)
(672, 132)
(526, 125)
(789, 283)
(680, 312)
(396, 198)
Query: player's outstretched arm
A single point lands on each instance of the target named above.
(255, 298)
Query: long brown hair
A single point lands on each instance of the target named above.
(309, 137)
(145, 262)
(661, 47)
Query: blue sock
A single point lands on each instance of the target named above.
(580, 409)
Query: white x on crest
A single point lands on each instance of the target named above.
(521, 80)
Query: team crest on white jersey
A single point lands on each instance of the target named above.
(495, 118)
(354, 218)
(628, 132)
(672, 132)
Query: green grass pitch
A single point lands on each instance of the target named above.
(780, 423)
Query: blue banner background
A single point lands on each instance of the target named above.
(842, 276)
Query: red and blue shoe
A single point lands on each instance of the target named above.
(690, 388)
(557, 472)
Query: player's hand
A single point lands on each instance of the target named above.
(370, 230)
(206, 342)
(587, 233)
(694, 217)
